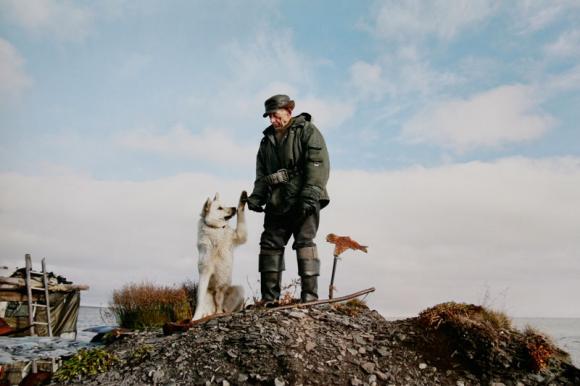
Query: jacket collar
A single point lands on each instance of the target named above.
(297, 121)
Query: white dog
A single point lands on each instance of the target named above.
(215, 243)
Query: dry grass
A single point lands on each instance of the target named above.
(139, 306)
(190, 288)
(351, 308)
(461, 313)
(288, 295)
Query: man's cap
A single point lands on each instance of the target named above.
(276, 102)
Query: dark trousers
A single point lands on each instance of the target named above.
(277, 232)
(279, 228)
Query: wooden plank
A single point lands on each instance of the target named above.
(8, 283)
(14, 296)
(17, 371)
(12, 280)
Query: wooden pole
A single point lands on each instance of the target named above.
(28, 262)
(331, 287)
(46, 297)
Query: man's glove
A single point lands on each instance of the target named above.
(307, 206)
(308, 199)
(255, 203)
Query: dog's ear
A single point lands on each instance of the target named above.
(206, 206)
(216, 197)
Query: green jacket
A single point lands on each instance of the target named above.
(303, 152)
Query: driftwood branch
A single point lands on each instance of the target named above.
(170, 328)
(326, 301)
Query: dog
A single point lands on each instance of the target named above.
(215, 244)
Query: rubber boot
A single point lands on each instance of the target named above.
(270, 286)
(309, 270)
(271, 264)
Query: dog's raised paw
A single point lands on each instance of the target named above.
(243, 200)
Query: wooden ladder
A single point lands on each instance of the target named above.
(34, 305)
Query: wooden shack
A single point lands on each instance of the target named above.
(36, 303)
(39, 303)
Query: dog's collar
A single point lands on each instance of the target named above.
(215, 227)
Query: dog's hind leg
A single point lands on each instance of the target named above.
(219, 300)
(234, 299)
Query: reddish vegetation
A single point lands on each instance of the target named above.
(145, 305)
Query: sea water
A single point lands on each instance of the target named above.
(17, 349)
(565, 332)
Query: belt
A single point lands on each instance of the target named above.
(282, 176)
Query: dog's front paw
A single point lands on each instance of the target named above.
(243, 200)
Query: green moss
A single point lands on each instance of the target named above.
(140, 354)
(85, 363)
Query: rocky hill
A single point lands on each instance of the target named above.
(346, 344)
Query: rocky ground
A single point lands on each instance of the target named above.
(322, 345)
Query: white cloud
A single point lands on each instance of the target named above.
(212, 145)
(567, 44)
(437, 234)
(65, 19)
(264, 59)
(260, 67)
(367, 79)
(105, 233)
(414, 19)
(419, 76)
(503, 115)
(13, 78)
(399, 75)
(565, 81)
(440, 234)
(535, 15)
(326, 115)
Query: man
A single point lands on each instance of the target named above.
(292, 170)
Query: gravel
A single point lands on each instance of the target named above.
(319, 345)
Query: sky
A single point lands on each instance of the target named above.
(452, 128)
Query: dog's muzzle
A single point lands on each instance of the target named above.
(234, 210)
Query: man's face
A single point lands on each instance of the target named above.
(280, 118)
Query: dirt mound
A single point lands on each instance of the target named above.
(484, 343)
(344, 344)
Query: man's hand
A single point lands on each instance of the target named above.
(254, 204)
